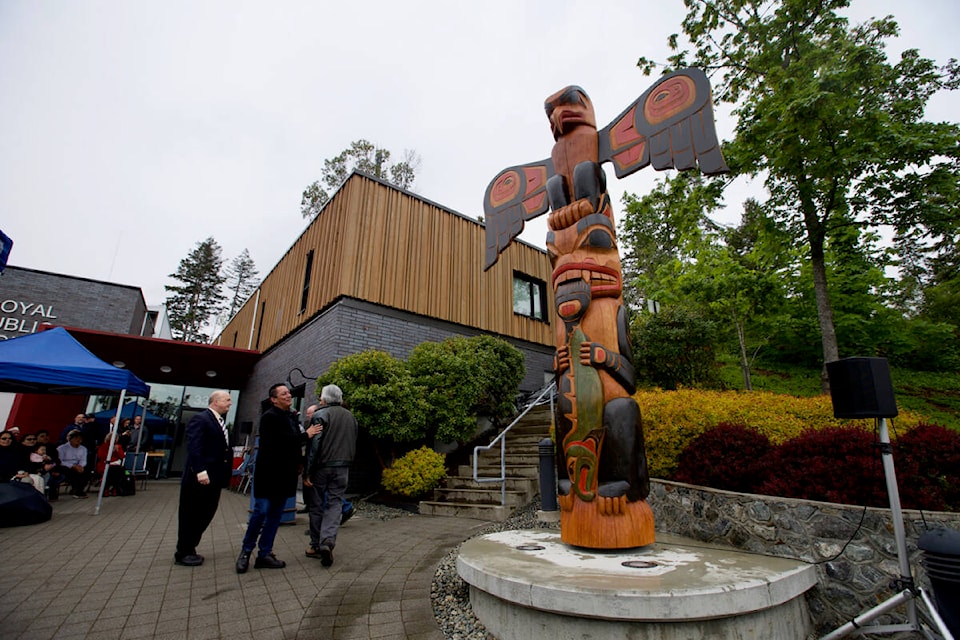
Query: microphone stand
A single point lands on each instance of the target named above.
(909, 594)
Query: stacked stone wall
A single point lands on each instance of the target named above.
(853, 548)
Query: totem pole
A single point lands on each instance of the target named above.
(602, 467)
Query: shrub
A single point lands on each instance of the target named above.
(673, 419)
(927, 460)
(674, 347)
(835, 464)
(381, 394)
(415, 473)
(727, 456)
(462, 378)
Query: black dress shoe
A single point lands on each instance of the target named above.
(269, 561)
(326, 553)
(190, 560)
(243, 562)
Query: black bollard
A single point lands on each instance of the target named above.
(548, 476)
(941, 559)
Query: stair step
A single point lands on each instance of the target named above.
(491, 512)
(523, 485)
(526, 442)
(514, 459)
(490, 495)
(493, 470)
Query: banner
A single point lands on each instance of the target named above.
(5, 245)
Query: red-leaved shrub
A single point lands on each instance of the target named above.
(927, 461)
(725, 457)
(835, 464)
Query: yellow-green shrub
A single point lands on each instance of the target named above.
(672, 419)
(415, 473)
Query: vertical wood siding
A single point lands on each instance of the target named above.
(379, 244)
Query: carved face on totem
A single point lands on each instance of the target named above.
(568, 109)
(586, 264)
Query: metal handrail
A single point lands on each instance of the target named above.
(501, 438)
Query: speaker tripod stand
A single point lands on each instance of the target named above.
(921, 614)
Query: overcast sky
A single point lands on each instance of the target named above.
(130, 131)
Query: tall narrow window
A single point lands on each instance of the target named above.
(306, 281)
(529, 296)
(263, 307)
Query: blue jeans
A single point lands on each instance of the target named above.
(263, 524)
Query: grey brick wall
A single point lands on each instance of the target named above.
(29, 298)
(351, 326)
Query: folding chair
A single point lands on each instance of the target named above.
(245, 471)
(136, 464)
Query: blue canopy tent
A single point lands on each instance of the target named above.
(52, 361)
(129, 410)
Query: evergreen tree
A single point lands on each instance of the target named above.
(361, 156)
(192, 303)
(241, 281)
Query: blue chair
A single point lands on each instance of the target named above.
(136, 464)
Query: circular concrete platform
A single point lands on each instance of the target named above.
(528, 584)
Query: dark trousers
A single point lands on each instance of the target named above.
(76, 479)
(198, 505)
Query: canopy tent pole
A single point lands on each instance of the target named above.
(143, 421)
(113, 440)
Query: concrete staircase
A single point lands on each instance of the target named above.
(461, 496)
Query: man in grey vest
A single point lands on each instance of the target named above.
(329, 456)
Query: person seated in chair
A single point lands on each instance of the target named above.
(115, 470)
(73, 462)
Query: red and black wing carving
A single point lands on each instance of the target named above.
(670, 126)
(517, 194)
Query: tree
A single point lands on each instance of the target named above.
(667, 225)
(241, 281)
(361, 156)
(382, 396)
(199, 297)
(836, 129)
(463, 378)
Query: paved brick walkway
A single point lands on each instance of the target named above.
(112, 576)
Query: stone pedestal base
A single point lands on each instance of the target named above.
(528, 584)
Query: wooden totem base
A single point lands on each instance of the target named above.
(605, 523)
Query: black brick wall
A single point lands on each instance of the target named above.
(76, 302)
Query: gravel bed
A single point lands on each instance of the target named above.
(448, 592)
(451, 595)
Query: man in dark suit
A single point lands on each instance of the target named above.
(275, 474)
(205, 473)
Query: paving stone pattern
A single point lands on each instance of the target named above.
(112, 576)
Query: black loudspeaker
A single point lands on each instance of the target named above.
(861, 388)
(246, 427)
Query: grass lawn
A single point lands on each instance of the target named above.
(935, 395)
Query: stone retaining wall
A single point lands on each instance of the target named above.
(856, 561)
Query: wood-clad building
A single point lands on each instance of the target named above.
(382, 268)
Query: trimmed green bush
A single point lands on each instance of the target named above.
(415, 473)
(380, 392)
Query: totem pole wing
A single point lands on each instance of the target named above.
(670, 126)
(517, 194)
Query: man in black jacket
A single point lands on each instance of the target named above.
(275, 473)
(328, 469)
(206, 471)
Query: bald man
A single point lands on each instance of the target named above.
(205, 473)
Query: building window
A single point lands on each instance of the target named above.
(263, 308)
(306, 281)
(529, 296)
